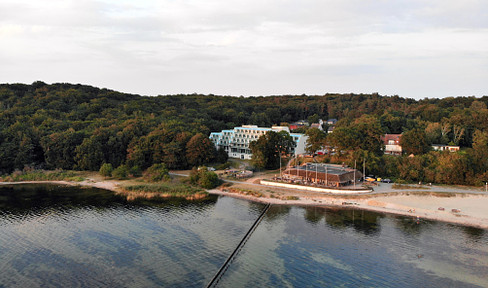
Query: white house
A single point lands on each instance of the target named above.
(441, 147)
(236, 142)
(392, 144)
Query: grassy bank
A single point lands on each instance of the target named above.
(166, 190)
(42, 175)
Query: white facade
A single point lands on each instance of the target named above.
(236, 142)
(450, 148)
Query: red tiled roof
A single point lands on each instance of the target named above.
(395, 137)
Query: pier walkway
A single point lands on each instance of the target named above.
(224, 267)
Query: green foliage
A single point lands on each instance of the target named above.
(59, 149)
(156, 173)
(221, 156)
(171, 189)
(269, 148)
(315, 141)
(313, 119)
(223, 166)
(42, 175)
(414, 142)
(363, 133)
(204, 178)
(106, 170)
(81, 127)
(200, 150)
(135, 171)
(121, 172)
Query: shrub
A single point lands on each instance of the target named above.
(223, 166)
(209, 180)
(135, 171)
(106, 170)
(156, 173)
(121, 172)
(204, 178)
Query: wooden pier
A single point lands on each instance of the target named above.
(224, 267)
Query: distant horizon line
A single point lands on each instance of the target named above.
(246, 96)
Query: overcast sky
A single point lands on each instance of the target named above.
(410, 48)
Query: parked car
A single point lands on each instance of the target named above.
(369, 179)
(386, 180)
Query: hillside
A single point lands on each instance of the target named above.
(80, 127)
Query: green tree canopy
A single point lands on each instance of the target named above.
(415, 142)
(106, 170)
(267, 149)
(315, 141)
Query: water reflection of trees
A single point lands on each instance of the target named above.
(314, 215)
(473, 233)
(276, 212)
(362, 221)
(411, 226)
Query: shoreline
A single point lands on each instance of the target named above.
(371, 204)
(466, 210)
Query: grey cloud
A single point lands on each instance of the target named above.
(247, 46)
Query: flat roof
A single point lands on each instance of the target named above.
(253, 128)
(320, 168)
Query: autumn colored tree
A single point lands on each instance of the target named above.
(200, 150)
(479, 152)
(452, 168)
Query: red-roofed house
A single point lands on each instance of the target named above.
(392, 144)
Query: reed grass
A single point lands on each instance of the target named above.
(42, 175)
(169, 189)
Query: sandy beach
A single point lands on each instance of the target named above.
(469, 210)
(461, 205)
(466, 206)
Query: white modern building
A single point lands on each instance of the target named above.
(236, 142)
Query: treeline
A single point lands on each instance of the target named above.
(359, 141)
(81, 127)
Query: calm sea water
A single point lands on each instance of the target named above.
(57, 236)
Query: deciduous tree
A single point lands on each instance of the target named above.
(414, 142)
(199, 150)
(315, 141)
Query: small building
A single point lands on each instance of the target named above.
(441, 147)
(318, 125)
(332, 121)
(392, 144)
(328, 175)
(298, 124)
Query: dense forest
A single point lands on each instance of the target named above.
(81, 127)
